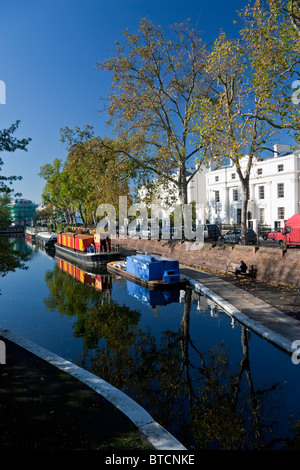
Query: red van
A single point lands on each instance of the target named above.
(291, 232)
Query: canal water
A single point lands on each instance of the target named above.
(206, 378)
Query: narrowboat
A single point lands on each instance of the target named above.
(31, 232)
(152, 271)
(85, 249)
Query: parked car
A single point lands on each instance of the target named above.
(271, 235)
(210, 231)
(234, 236)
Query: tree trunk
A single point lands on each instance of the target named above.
(67, 216)
(184, 199)
(81, 214)
(245, 198)
(73, 215)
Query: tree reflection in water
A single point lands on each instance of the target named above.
(196, 395)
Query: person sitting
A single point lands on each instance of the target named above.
(241, 269)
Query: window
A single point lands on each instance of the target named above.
(216, 178)
(287, 229)
(280, 190)
(259, 171)
(280, 168)
(233, 176)
(261, 192)
(217, 196)
(261, 215)
(280, 212)
(235, 195)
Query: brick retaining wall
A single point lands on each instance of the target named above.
(272, 264)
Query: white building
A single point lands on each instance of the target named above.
(274, 190)
(166, 197)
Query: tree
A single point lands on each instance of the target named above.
(96, 175)
(229, 126)
(155, 82)
(292, 10)
(4, 211)
(45, 214)
(250, 91)
(91, 175)
(9, 143)
(10, 258)
(55, 192)
(271, 35)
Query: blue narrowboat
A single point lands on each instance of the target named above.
(152, 271)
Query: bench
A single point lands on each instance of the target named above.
(250, 272)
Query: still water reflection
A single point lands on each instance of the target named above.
(211, 382)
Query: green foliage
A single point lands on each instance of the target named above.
(10, 258)
(175, 101)
(46, 214)
(9, 143)
(250, 94)
(92, 174)
(155, 82)
(272, 36)
(4, 211)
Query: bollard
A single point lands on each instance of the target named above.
(2, 353)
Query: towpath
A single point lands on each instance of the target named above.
(271, 310)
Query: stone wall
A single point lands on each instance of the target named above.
(272, 264)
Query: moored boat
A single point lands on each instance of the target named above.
(46, 239)
(31, 232)
(152, 271)
(86, 249)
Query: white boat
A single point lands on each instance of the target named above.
(46, 239)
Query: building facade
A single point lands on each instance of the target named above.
(274, 190)
(22, 211)
(166, 197)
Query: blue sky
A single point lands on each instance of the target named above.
(49, 49)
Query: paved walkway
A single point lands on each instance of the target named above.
(49, 403)
(44, 406)
(250, 302)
